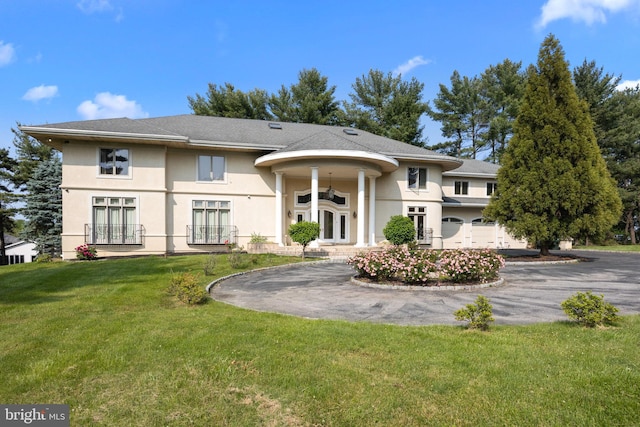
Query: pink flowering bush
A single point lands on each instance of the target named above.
(473, 265)
(422, 266)
(86, 252)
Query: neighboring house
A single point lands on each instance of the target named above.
(19, 251)
(192, 183)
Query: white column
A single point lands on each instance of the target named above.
(279, 209)
(314, 201)
(360, 224)
(372, 211)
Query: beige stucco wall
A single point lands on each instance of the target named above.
(164, 183)
(81, 181)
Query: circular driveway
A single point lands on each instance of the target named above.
(531, 292)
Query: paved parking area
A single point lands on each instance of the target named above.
(531, 293)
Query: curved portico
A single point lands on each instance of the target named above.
(336, 180)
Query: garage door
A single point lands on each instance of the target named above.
(483, 234)
(452, 234)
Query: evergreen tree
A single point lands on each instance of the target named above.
(387, 106)
(311, 100)
(43, 206)
(464, 116)
(553, 183)
(503, 86)
(227, 101)
(30, 153)
(621, 146)
(7, 197)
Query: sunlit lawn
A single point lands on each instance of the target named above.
(105, 338)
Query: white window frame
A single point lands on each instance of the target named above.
(122, 205)
(129, 173)
(417, 186)
(223, 180)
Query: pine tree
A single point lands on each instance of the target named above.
(388, 106)
(43, 206)
(553, 183)
(7, 197)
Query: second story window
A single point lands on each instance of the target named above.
(114, 161)
(211, 168)
(491, 188)
(461, 188)
(417, 178)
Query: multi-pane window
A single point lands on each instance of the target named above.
(114, 161)
(211, 168)
(417, 178)
(114, 221)
(491, 188)
(211, 223)
(418, 214)
(461, 188)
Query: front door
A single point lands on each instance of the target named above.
(333, 226)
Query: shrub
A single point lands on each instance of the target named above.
(186, 287)
(419, 266)
(399, 230)
(238, 260)
(479, 315)
(459, 265)
(257, 238)
(589, 310)
(86, 252)
(210, 265)
(43, 258)
(304, 232)
(376, 265)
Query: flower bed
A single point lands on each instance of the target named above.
(428, 267)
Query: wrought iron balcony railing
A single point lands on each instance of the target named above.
(212, 235)
(108, 234)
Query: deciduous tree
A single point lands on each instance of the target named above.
(553, 183)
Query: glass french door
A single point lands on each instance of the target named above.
(333, 226)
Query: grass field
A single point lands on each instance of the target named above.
(106, 339)
(611, 248)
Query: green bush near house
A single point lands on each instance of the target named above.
(399, 230)
(479, 315)
(187, 288)
(304, 233)
(590, 310)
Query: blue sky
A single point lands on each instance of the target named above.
(66, 60)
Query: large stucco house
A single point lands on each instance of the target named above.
(190, 183)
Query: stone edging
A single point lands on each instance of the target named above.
(498, 282)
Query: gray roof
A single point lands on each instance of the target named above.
(471, 167)
(239, 133)
(464, 202)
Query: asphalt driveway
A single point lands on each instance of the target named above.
(531, 293)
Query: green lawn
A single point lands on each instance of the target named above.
(616, 248)
(105, 338)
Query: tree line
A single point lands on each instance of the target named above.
(30, 186)
(495, 116)
(477, 114)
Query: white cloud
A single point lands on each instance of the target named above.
(38, 93)
(7, 53)
(628, 84)
(92, 6)
(414, 62)
(587, 11)
(107, 105)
